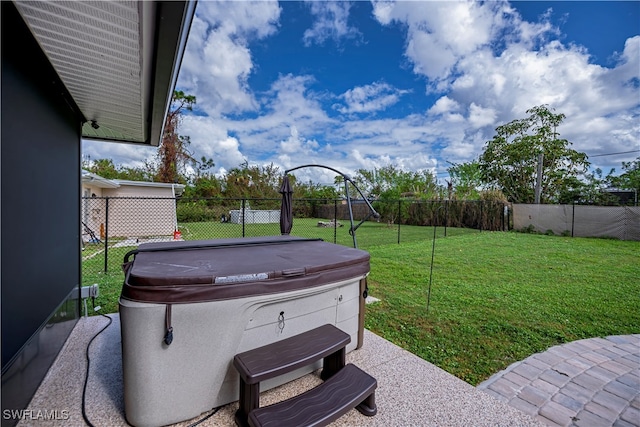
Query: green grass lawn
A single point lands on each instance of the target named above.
(369, 234)
(496, 297)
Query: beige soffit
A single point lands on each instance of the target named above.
(118, 59)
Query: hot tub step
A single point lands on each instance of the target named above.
(350, 388)
(284, 356)
(281, 357)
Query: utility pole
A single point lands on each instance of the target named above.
(539, 179)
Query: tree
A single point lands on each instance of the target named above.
(173, 153)
(587, 191)
(341, 189)
(466, 180)
(392, 183)
(107, 169)
(509, 161)
(259, 182)
(204, 184)
(103, 167)
(389, 184)
(312, 190)
(630, 179)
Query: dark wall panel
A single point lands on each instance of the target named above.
(40, 188)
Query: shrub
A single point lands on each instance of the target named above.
(198, 211)
(530, 229)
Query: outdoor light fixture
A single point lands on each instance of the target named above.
(94, 124)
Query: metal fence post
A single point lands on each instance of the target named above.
(335, 221)
(505, 212)
(446, 216)
(106, 233)
(242, 212)
(573, 217)
(399, 218)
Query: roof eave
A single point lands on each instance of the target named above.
(172, 22)
(119, 61)
(171, 40)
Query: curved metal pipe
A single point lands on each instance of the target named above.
(372, 211)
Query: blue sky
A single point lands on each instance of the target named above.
(415, 84)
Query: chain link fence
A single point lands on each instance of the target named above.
(617, 222)
(112, 226)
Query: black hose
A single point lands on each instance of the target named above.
(86, 378)
(86, 381)
(205, 418)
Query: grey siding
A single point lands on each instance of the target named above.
(40, 212)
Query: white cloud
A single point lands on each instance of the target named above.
(629, 62)
(494, 66)
(383, 11)
(331, 22)
(282, 134)
(289, 103)
(440, 33)
(210, 138)
(243, 18)
(369, 162)
(480, 117)
(463, 147)
(217, 61)
(122, 154)
(370, 98)
(291, 96)
(444, 105)
(490, 65)
(588, 94)
(419, 161)
(297, 145)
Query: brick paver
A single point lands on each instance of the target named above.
(591, 382)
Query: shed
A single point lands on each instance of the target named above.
(137, 209)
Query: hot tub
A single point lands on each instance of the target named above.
(188, 307)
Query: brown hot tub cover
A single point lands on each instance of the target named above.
(209, 270)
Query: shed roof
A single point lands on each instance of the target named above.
(100, 182)
(177, 188)
(97, 180)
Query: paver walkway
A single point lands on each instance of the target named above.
(592, 382)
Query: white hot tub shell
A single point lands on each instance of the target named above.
(221, 298)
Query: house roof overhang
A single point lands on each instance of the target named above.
(119, 60)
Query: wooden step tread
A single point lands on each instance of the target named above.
(349, 388)
(289, 354)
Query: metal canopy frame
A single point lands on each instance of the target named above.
(346, 179)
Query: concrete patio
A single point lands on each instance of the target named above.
(410, 390)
